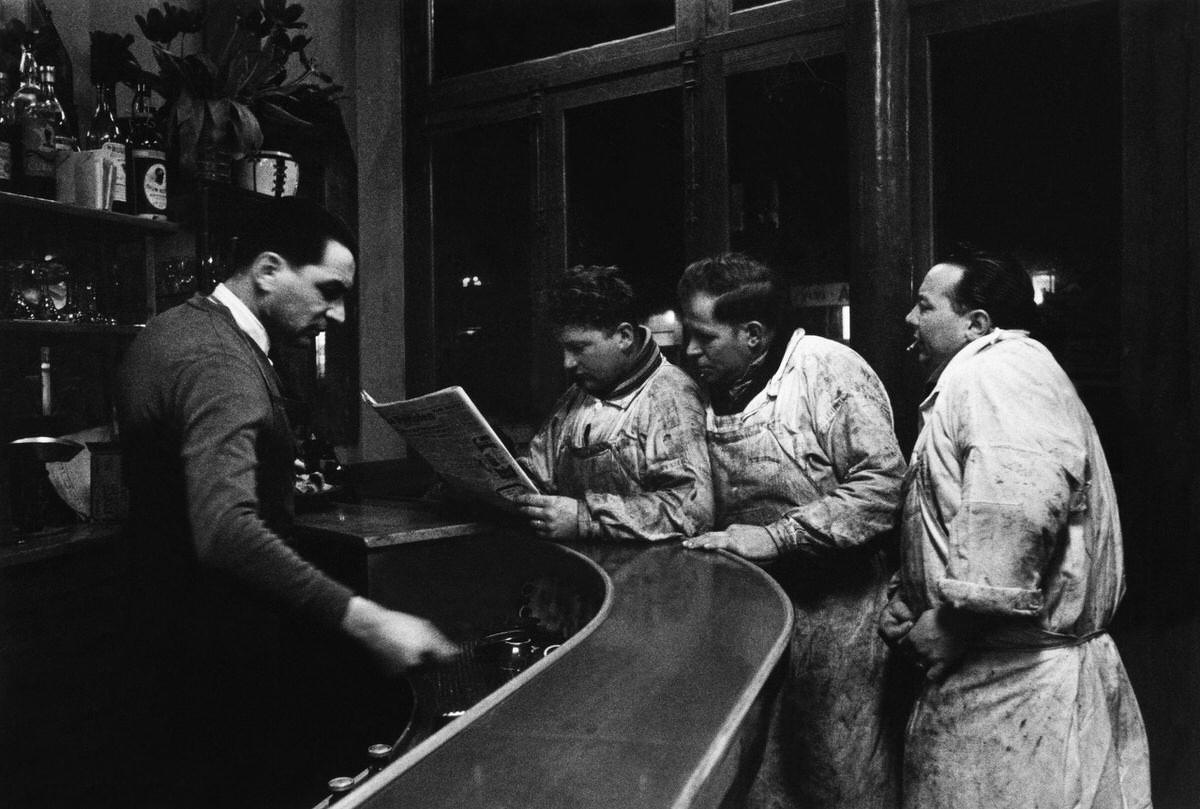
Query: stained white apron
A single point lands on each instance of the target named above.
(834, 737)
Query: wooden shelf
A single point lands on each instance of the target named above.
(91, 214)
(21, 548)
(67, 328)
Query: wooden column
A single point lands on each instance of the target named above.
(381, 266)
(550, 229)
(881, 270)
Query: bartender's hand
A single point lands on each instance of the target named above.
(751, 542)
(398, 640)
(551, 516)
(938, 640)
(895, 621)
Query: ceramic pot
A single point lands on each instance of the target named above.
(276, 174)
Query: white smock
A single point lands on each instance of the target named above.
(1010, 513)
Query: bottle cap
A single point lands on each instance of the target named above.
(379, 750)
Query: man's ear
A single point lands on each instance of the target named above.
(265, 269)
(627, 333)
(755, 334)
(979, 323)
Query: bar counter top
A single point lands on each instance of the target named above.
(658, 701)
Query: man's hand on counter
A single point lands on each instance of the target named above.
(751, 542)
(398, 640)
(550, 516)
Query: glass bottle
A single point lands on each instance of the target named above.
(146, 164)
(64, 141)
(103, 126)
(8, 133)
(28, 87)
(51, 50)
(104, 133)
(33, 117)
(54, 108)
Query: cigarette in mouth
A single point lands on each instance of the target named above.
(912, 346)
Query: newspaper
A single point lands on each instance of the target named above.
(450, 433)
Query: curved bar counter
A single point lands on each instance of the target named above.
(658, 700)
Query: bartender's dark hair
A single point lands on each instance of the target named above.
(995, 282)
(590, 296)
(744, 289)
(295, 228)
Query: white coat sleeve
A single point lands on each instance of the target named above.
(1020, 462)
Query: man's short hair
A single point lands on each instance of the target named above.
(297, 229)
(744, 289)
(598, 297)
(996, 283)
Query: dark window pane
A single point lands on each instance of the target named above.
(625, 190)
(481, 251)
(789, 197)
(1027, 157)
(470, 35)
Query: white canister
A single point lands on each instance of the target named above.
(276, 174)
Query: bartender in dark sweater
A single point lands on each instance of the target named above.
(209, 457)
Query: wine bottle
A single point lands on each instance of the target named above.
(104, 133)
(147, 159)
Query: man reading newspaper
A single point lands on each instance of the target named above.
(623, 453)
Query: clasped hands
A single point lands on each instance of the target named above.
(935, 641)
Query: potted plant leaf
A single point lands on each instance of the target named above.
(248, 67)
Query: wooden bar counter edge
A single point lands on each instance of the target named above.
(660, 701)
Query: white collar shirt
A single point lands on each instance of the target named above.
(242, 315)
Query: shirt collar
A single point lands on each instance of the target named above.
(649, 359)
(242, 315)
(965, 353)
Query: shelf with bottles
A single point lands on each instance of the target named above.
(55, 208)
(121, 171)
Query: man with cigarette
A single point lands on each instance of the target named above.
(1011, 567)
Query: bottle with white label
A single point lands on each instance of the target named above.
(104, 133)
(146, 166)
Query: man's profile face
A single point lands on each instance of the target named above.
(938, 328)
(720, 352)
(596, 358)
(304, 299)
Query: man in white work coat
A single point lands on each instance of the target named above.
(806, 479)
(622, 454)
(1011, 567)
